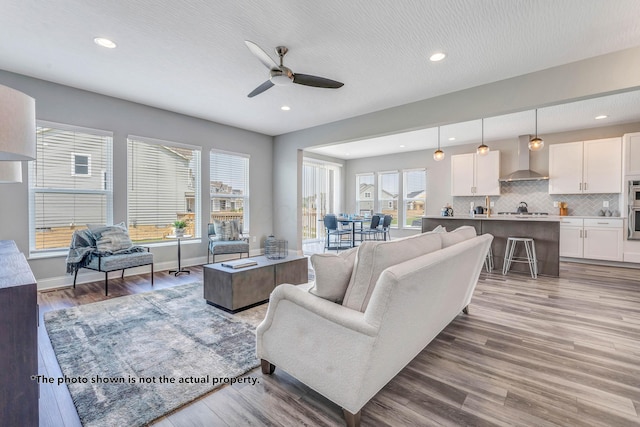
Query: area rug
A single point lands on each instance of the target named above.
(130, 360)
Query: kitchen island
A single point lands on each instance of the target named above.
(545, 230)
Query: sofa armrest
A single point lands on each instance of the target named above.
(332, 312)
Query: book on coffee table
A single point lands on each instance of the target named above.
(239, 263)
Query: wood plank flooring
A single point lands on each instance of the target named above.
(548, 352)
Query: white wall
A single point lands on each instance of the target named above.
(67, 105)
(582, 79)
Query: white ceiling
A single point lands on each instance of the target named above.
(189, 56)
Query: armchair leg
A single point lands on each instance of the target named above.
(75, 276)
(267, 368)
(151, 275)
(106, 283)
(353, 420)
(465, 310)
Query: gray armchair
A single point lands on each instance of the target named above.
(227, 240)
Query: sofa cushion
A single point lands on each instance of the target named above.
(458, 235)
(120, 262)
(374, 257)
(333, 273)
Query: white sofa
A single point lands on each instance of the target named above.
(398, 296)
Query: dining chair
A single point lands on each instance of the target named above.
(332, 229)
(372, 230)
(386, 225)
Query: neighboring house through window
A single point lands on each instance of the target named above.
(59, 201)
(163, 185)
(365, 189)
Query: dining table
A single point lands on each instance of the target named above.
(353, 222)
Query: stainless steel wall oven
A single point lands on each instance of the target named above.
(634, 210)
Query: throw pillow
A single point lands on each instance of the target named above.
(223, 230)
(458, 235)
(111, 238)
(333, 273)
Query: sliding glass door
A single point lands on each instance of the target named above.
(320, 195)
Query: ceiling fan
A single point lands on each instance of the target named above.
(281, 75)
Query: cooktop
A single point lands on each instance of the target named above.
(523, 213)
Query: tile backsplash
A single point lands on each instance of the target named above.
(536, 195)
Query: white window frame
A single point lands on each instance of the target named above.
(107, 188)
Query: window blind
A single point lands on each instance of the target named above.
(163, 182)
(229, 187)
(70, 183)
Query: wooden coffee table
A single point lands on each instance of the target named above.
(234, 290)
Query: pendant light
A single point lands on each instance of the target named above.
(482, 149)
(536, 144)
(438, 154)
(17, 126)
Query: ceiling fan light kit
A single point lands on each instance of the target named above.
(281, 75)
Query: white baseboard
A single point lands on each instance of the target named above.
(88, 276)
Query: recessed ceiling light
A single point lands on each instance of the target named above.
(438, 56)
(603, 116)
(346, 154)
(453, 138)
(402, 146)
(104, 42)
(285, 108)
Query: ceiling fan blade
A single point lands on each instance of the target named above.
(264, 86)
(315, 81)
(261, 55)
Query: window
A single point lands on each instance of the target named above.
(80, 164)
(320, 195)
(229, 187)
(163, 186)
(365, 189)
(388, 194)
(59, 201)
(414, 185)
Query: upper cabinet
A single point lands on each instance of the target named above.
(473, 175)
(632, 154)
(586, 167)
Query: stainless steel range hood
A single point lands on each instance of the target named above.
(523, 173)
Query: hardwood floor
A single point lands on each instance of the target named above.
(553, 351)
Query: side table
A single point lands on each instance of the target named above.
(180, 269)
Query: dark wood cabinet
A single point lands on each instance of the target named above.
(18, 339)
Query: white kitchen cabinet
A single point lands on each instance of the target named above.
(603, 239)
(632, 154)
(586, 167)
(571, 241)
(473, 175)
(590, 238)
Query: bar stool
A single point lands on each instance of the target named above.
(531, 258)
(488, 261)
